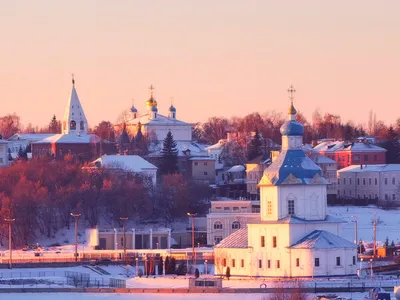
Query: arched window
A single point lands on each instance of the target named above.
(217, 225)
(72, 125)
(235, 225)
(82, 125)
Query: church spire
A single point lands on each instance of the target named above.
(74, 117)
(292, 111)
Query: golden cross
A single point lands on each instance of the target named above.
(73, 79)
(291, 92)
(151, 88)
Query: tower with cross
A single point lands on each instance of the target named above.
(151, 102)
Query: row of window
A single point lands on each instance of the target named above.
(218, 225)
(262, 241)
(364, 181)
(387, 196)
(290, 207)
(196, 163)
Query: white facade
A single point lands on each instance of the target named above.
(379, 182)
(227, 216)
(74, 117)
(23, 140)
(295, 237)
(3, 153)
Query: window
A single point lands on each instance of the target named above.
(363, 181)
(297, 262)
(376, 181)
(196, 163)
(262, 241)
(226, 208)
(242, 263)
(375, 157)
(386, 197)
(235, 225)
(235, 208)
(217, 239)
(278, 264)
(316, 262)
(122, 242)
(344, 180)
(386, 181)
(369, 181)
(205, 173)
(350, 181)
(290, 207)
(393, 196)
(259, 263)
(72, 125)
(82, 125)
(274, 241)
(224, 262)
(354, 260)
(218, 225)
(337, 261)
(365, 157)
(269, 263)
(205, 163)
(233, 263)
(358, 181)
(393, 181)
(269, 207)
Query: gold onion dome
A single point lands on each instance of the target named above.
(292, 110)
(151, 102)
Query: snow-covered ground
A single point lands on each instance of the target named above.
(68, 296)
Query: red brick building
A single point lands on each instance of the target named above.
(355, 153)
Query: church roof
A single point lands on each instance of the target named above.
(71, 138)
(74, 111)
(296, 220)
(32, 137)
(321, 239)
(160, 120)
(238, 239)
(293, 167)
(132, 163)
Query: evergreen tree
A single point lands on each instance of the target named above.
(54, 126)
(22, 154)
(169, 158)
(255, 146)
(393, 147)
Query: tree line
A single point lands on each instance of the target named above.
(42, 193)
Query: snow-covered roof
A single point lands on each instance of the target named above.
(32, 137)
(296, 220)
(322, 159)
(146, 119)
(182, 146)
(132, 163)
(237, 168)
(3, 141)
(321, 239)
(371, 168)
(71, 138)
(201, 158)
(238, 239)
(219, 145)
(293, 167)
(334, 146)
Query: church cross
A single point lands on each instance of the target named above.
(291, 92)
(151, 88)
(73, 79)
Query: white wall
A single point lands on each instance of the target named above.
(180, 132)
(3, 154)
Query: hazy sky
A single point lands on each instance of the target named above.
(214, 57)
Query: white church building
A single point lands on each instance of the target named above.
(295, 237)
(156, 125)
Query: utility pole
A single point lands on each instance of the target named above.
(76, 217)
(9, 221)
(193, 252)
(124, 219)
(375, 236)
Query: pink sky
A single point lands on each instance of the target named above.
(215, 58)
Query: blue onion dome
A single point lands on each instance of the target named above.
(133, 109)
(154, 109)
(172, 108)
(292, 127)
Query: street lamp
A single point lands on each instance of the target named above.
(123, 219)
(361, 260)
(205, 267)
(9, 221)
(193, 253)
(370, 261)
(355, 228)
(76, 217)
(137, 264)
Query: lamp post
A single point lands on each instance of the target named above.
(9, 221)
(137, 264)
(163, 263)
(193, 253)
(76, 217)
(123, 219)
(355, 228)
(145, 265)
(205, 267)
(370, 261)
(361, 260)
